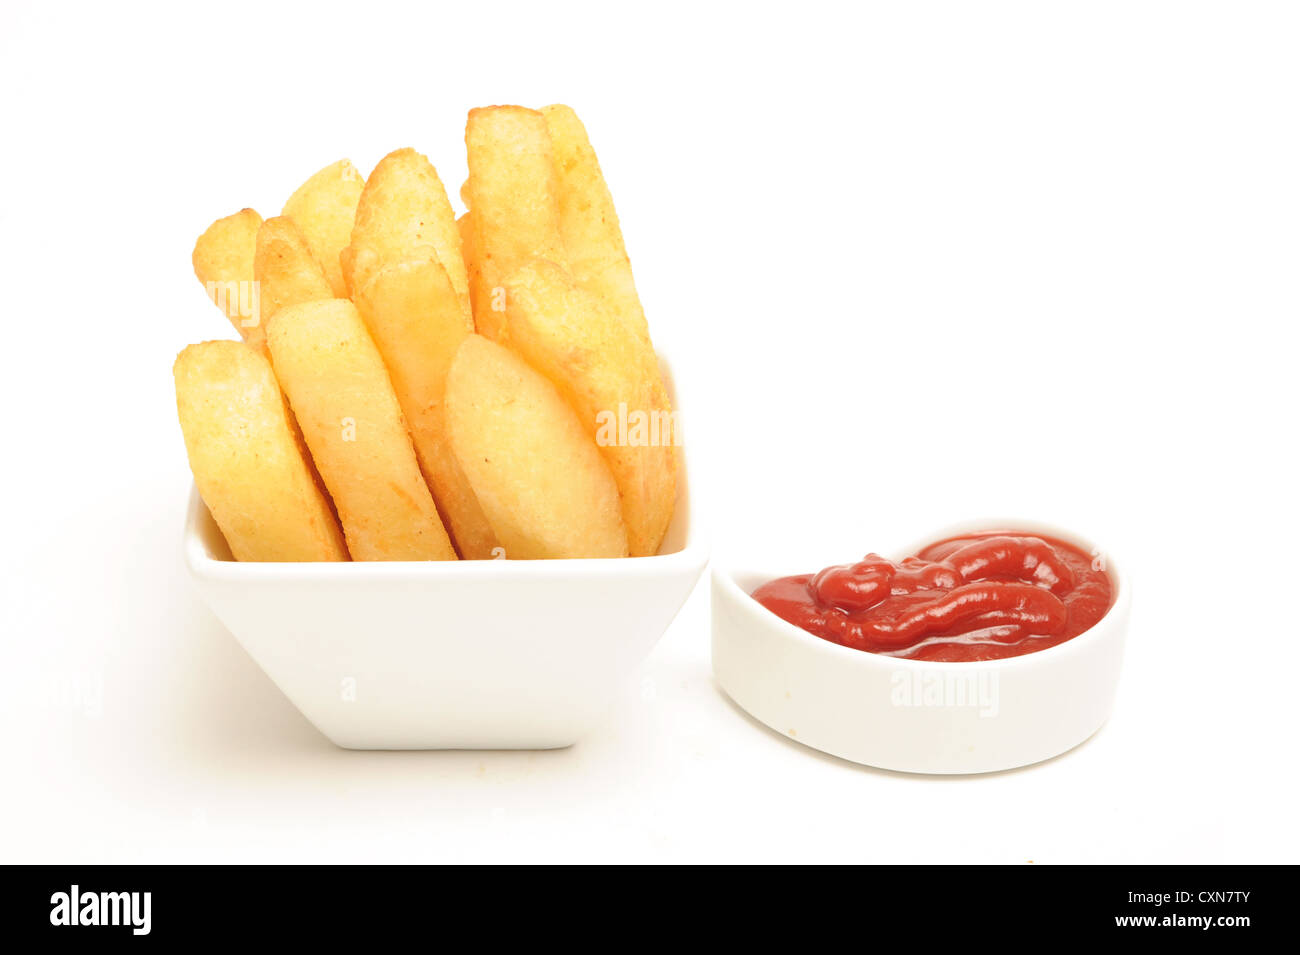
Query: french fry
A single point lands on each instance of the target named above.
(479, 296)
(286, 273)
(541, 481)
(324, 208)
(512, 194)
(403, 215)
(593, 241)
(610, 376)
(248, 459)
(223, 262)
(415, 318)
(341, 395)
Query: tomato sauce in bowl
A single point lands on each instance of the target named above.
(979, 596)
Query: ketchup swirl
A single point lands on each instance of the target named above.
(977, 597)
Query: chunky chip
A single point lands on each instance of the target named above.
(223, 262)
(324, 208)
(248, 460)
(340, 393)
(512, 191)
(537, 473)
(286, 272)
(415, 319)
(609, 374)
(593, 241)
(404, 215)
(479, 295)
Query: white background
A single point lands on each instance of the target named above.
(913, 264)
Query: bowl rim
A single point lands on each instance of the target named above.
(693, 554)
(726, 578)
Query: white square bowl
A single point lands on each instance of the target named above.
(489, 654)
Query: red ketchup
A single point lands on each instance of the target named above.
(982, 596)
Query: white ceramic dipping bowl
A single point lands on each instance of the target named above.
(917, 716)
(492, 654)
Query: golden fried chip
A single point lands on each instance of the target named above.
(415, 319)
(540, 479)
(479, 296)
(324, 208)
(512, 194)
(341, 395)
(286, 272)
(593, 242)
(223, 262)
(247, 459)
(610, 376)
(404, 215)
